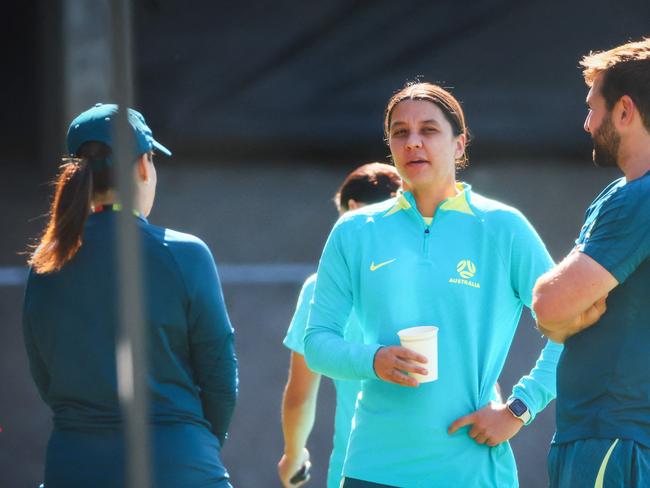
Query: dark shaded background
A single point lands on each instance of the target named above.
(266, 106)
(286, 78)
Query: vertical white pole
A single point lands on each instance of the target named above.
(131, 347)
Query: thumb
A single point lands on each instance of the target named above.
(593, 313)
(461, 422)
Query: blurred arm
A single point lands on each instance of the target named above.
(298, 413)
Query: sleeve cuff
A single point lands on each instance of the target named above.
(366, 364)
(294, 345)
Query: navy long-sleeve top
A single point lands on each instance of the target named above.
(70, 324)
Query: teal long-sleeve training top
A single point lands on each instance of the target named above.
(469, 272)
(70, 323)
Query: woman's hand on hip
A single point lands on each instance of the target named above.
(392, 363)
(491, 425)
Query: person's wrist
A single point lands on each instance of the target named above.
(514, 419)
(293, 454)
(374, 361)
(519, 410)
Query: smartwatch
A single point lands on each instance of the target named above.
(519, 410)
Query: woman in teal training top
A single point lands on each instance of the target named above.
(70, 323)
(437, 254)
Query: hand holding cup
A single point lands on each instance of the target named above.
(424, 341)
(394, 363)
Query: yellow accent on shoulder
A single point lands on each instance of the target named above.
(374, 267)
(401, 204)
(458, 204)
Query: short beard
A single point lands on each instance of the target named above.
(606, 144)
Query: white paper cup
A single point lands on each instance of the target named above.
(423, 340)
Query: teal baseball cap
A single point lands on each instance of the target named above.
(96, 124)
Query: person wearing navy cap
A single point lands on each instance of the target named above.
(70, 323)
(95, 124)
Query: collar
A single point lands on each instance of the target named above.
(114, 207)
(458, 203)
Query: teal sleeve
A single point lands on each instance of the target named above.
(37, 366)
(326, 351)
(620, 238)
(295, 338)
(212, 352)
(537, 388)
(529, 260)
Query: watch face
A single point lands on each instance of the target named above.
(518, 408)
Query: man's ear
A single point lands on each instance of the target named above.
(625, 110)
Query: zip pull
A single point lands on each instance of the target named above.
(425, 248)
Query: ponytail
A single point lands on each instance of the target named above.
(74, 186)
(68, 213)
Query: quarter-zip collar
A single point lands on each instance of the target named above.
(458, 203)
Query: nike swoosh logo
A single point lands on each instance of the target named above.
(375, 267)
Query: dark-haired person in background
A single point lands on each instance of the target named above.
(70, 322)
(597, 300)
(369, 183)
